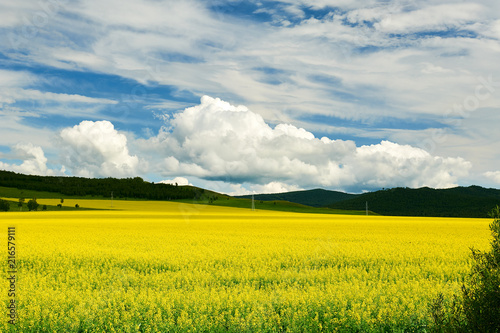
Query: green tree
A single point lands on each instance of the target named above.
(21, 202)
(477, 309)
(4, 205)
(481, 298)
(33, 205)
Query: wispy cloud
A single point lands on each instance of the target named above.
(431, 18)
(31, 94)
(370, 67)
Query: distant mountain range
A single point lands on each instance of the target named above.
(472, 201)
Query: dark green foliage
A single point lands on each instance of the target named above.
(212, 199)
(44, 207)
(481, 298)
(472, 201)
(77, 206)
(33, 205)
(438, 312)
(477, 309)
(4, 205)
(447, 315)
(135, 188)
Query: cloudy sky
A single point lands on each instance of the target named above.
(253, 96)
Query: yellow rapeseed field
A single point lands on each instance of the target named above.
(169, 267)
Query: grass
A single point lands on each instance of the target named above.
(142, 266)
(277, 205)
(222, 200)
(11, 192)
(53, 206)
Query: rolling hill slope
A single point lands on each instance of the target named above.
(314, 198)
(134, 188)
(14, 186)
(472, 201)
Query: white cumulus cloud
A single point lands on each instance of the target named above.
(392, 164)
(272, 187)
(177, 180)
(218, 141)
(96, 149)
(34, 160)
(493, 175)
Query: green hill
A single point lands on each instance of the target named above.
(13, 185)
(134, 188)
(472, 201)
(314, 198)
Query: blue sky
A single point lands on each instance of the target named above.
(253, 96)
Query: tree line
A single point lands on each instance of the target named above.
(472, 201)
(134, 188)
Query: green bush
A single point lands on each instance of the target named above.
(477, 309)
(4, 205)
(481, 298)
(33, 205)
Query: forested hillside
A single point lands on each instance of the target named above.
(121, 188)
(472, 201)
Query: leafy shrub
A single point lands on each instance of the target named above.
(481, 299)
(477, 309)
(4, 205)
(33, 205)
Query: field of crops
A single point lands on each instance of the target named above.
(170, 267)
